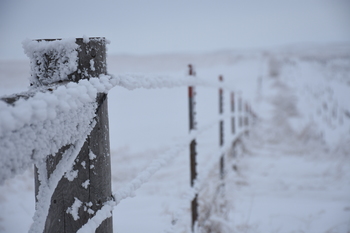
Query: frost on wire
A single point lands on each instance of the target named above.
(33, 128)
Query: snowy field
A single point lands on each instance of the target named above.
(292, 174)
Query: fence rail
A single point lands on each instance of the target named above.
(63, 119)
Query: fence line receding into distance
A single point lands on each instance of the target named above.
(61, 126)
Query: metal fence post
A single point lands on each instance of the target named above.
(93, 161)
(246, 118)
(233, 123)
(240, 119)
(221, 129)
(193, 153)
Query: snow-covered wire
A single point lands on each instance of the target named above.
(135, 81)
(199, 183)
(129, 189)
(33, 128)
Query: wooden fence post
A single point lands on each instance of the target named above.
(92, 186)
(193, 153)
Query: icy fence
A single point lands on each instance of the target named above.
(129, 189)
(41, 125)
(33, 127)
(58, 114)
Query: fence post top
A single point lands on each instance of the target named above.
(72, 59)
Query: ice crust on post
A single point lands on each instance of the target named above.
(51, 61)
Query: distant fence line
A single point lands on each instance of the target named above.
(61, 126)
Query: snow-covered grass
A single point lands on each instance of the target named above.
(290, 175)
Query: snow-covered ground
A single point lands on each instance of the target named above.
(292, 174)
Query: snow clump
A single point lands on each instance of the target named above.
(73, 210)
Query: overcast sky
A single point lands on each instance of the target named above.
(164, 26)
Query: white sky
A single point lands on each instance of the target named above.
(168, 26)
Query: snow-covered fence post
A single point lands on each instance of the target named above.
(83, 190)
(233, 124)
(193, 153)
